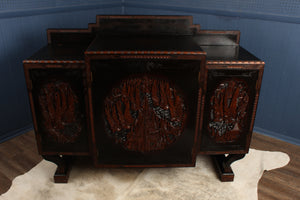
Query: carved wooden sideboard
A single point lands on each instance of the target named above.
(143, 91)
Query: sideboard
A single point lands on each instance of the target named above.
(143, 91)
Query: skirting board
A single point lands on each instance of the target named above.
(11, 134)
(277, 135)
(29, 127)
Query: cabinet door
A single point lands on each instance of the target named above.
(229, 110)
(145, 111)
(59, 110)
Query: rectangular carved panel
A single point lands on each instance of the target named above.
(229, 106)
(59, 103)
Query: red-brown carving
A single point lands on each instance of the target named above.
(61, 118)
(145, 114)
(228, 106)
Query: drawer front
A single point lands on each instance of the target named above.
(229, 108)
(59, 110)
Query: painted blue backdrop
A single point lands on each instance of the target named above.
(23, 25)
(270, 29)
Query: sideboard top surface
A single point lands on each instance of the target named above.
(51, 53)
(228, 52)
(58, 53)
(113, 34)
(144, 43)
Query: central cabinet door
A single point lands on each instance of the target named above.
(145, 111)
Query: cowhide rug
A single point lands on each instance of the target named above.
(201, 182)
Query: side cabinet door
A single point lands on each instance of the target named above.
(229, 111)
(58, 99)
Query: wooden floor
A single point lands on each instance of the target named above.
(19, 155)
(282, 183)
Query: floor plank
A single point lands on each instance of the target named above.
(283, 183)
(17, 156)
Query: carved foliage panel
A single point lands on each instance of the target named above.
(59, 106)
(144, 114)
(228, 105)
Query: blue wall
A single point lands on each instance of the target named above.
(23, 25)
(269, 28)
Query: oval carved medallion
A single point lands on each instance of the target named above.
(144, 114)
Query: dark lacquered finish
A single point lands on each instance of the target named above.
(143, 91)
(158, 125)
(228, 110)
(58, 96)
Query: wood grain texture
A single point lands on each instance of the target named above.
(19, 155)
(283, 183)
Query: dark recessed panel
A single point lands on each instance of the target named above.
(228, 109)
(60, 109)
(145, 111)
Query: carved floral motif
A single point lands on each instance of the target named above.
(59, 108)
(144, 114)
(228, 106)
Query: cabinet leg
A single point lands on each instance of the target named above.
(63, 167)
(223, 163)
